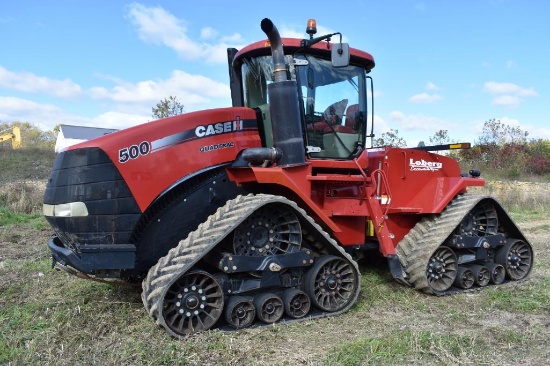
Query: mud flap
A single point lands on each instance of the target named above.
(396, 269)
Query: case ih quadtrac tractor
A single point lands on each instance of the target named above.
(256, 214)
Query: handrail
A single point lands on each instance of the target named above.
(379, 173)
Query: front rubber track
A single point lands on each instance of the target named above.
(416, 248)
(209, 234)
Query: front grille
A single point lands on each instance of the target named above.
(88, 175)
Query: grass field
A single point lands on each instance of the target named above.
(51, 318)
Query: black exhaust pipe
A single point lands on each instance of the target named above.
(277, 53)
(284, 105)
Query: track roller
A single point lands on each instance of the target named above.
(297, 303)
(497, 273)
(464, 278)
(239, 312)
(481, 275)
(269, 307)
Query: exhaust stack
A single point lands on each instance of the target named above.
(284, 105)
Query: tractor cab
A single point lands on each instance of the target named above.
(331, 81)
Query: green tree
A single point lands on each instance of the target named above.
(498, 133)
(167, 107)
(390, 138)
(441, 137)
(31, 135)
(506, 152)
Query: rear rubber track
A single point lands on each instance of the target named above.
(210, 233)
(416, 248)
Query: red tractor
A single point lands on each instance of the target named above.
(257, 213)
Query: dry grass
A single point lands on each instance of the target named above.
(518, 196)
(22, 197)
(51, 318)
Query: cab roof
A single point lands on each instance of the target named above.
(292, 45)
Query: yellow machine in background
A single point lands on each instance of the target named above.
(14, 136)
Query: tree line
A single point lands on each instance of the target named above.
(502, 150)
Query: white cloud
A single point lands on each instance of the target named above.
(117, 120)
(234, 39)
(535, 132)
(156, 25)
(425, 98)
(23, 108)
(508, 94)
(380, 125)
(47, 116)
(31, 83)
(190, 89)
(510, 64)
(492, 87)
(290, 32)
(208, 33)
(509, 101)
(414, 122)
(431, 86)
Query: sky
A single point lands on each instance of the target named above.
(440, 65)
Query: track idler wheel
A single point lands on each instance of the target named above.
(497, 273)
(269, 307)
(239, 312)
(464, 278)
(517, 258)
(481, 275)
(442, 269)
(193, 303)
(297, 303)
(331, 283)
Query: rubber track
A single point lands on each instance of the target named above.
(416, 248)
(208, 234)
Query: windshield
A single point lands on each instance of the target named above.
(333, 101)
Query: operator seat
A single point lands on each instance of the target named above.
(331, 117)
(350, 123)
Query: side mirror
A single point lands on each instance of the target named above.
(340, 55)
